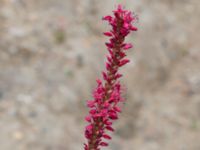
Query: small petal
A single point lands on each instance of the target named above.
(133, 28)
(107, 136)
(105, 75)
(123, 62)
(91, 103)
(108, 66)
(106, 104)
(111, 52)
(122, 54)
(109, 45)
(104, 112)
(108, 18)
(127, 46)
(99, 81)
(88, 118)
(89, 127)
(126, 26)
(109, 58)
(85, 147)
(107, 34)
(116, 108)
(113, 116)
(92, 111)
(103, 144)
(108, 123)
(118, 76)
(110, 128)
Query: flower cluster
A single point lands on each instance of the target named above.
(104, 108)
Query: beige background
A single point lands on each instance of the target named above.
(51, 52)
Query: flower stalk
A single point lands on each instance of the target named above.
(104, 108)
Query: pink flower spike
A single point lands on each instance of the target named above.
(119, 9)
(104, 108)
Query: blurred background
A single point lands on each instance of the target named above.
(51, 52)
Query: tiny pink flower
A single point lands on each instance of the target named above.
(103, 144)
(123, 62)
(88, 118)
(107, 34)
(127, 46)
(109, 128)
(107, 136)
(108, 18)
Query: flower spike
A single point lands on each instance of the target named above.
(104, 108)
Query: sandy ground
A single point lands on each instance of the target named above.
(51, 52)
